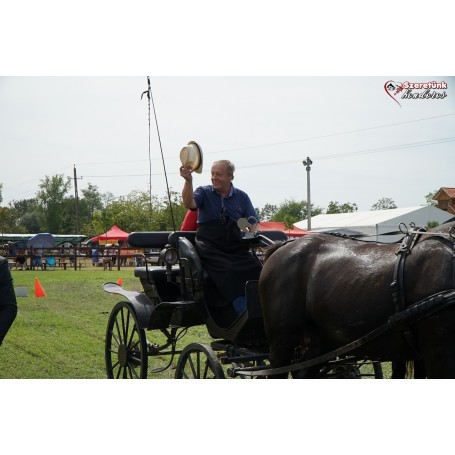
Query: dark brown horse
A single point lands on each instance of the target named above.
(322, 292)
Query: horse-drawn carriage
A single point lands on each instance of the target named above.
(179, 295)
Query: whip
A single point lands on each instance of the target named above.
(150, 98)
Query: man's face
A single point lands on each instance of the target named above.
(221, 180)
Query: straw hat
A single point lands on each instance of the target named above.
(191, 156)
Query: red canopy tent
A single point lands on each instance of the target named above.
(113, 235)
(279, 226)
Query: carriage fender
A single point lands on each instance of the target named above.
(142, 305)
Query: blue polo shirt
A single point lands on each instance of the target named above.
(210, 204)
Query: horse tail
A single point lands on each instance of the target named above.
(407, 370)
(271, 249)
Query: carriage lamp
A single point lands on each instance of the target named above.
(169, 256)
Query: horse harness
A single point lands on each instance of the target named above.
(397, 285)
(402, 319)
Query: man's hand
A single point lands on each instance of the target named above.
(187, 192)
(186, 173)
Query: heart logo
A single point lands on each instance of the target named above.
(392, 89)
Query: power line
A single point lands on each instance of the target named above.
(292, 141)
(323, 157)
(360, 152)
(333, 156)
(332, 134)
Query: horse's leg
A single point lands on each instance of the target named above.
(398, 369)
(419, 370)
(436, 341)
(314, 348)
(283, 352)
(412, 369)
(441, 365)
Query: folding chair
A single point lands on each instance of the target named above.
(50, 263)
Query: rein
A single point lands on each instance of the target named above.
(403, 229)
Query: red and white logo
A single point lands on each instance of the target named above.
(415, 90)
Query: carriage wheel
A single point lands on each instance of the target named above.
(126, 345)
(198, 361)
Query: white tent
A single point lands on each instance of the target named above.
(376, 223)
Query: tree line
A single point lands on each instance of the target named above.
(55, 210)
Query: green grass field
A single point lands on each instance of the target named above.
(62, 335)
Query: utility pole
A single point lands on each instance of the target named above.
(76, 196)
(308, 163)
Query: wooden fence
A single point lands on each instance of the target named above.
(72, 258)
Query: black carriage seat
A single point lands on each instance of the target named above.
(154, 239)
(174, 237)
(195, 277)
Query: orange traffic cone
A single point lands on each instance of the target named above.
(39, 291)
(120, 281)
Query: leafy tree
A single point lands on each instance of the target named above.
(24, 206)
(336, 207)
(108, 197)
(6, 221)
(30, 222)
(384, 203)
(429, 198)
(27, 216)
(289, 222)
(432, 224)
(267, 213)
(291, 211)
(1, 193)
(133, 213)
(50, 196)
(178, 212)
(92, 200)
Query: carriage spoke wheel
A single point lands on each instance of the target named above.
(198, 361)
(125, 345)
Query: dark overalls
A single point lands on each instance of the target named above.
(226, 259)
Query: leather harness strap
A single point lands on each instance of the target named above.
(397, 285)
